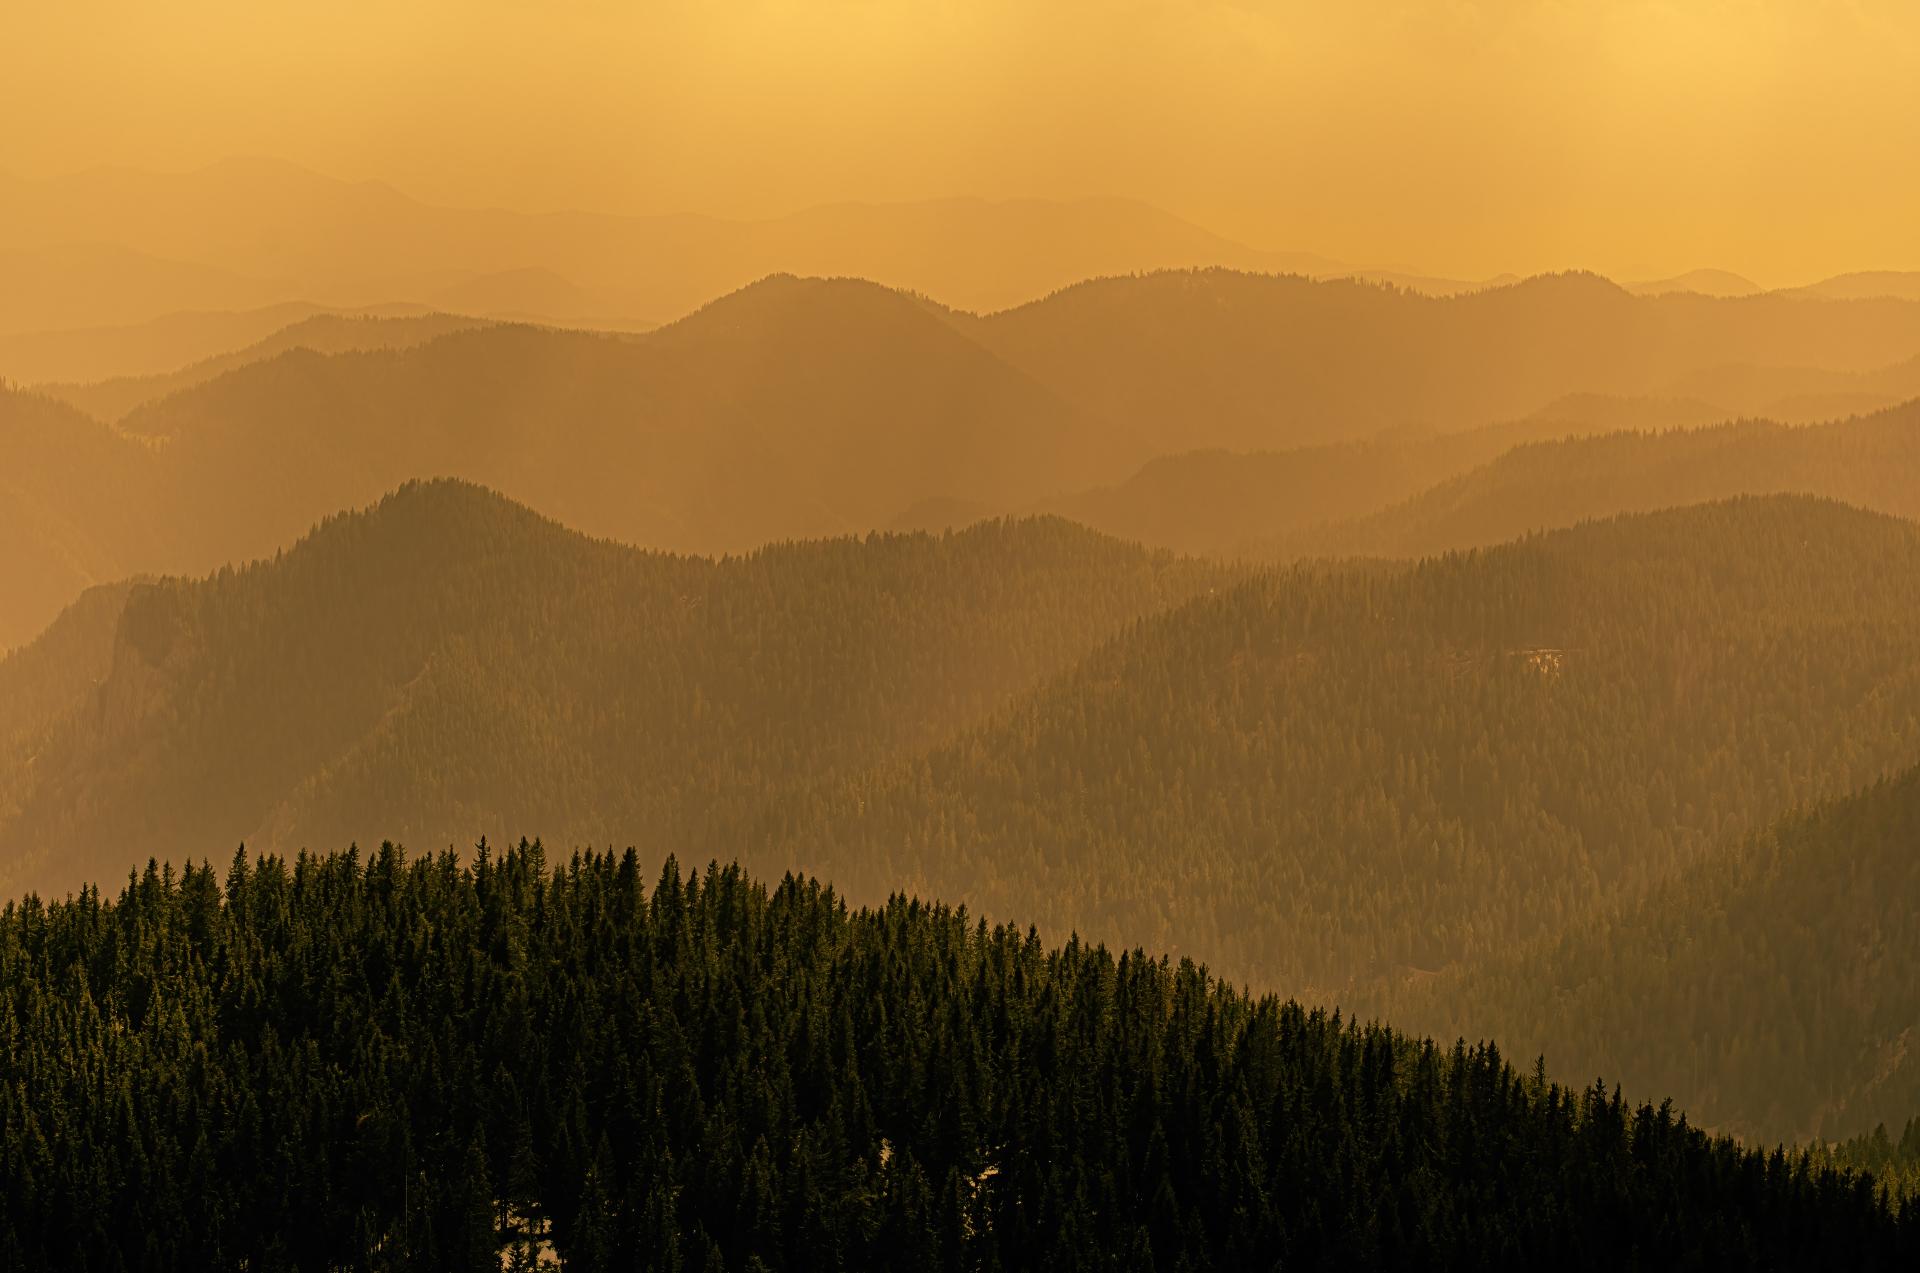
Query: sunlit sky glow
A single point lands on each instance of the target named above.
(1778, 138)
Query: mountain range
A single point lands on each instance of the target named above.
(121, 245)
(804, 407)
(1344, 781)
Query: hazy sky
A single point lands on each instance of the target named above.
(1780, 138)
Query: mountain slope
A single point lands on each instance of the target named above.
(112, 398)
(505, 1064)
(1331, 780)
(807, 407)
(798, 408)
(1775, 992)
(448, 664)
(78, 507)
(87, 354)
(1227, 502)
(794, 409)
(1873, 462)
(1213, 358)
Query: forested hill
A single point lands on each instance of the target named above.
(1872, 461)
(1322, 780)
(1774, 992)
(347, 1062)
(448, 664)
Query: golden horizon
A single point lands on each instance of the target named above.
(1469, 140)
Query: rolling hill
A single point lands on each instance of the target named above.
(1327, 780)
(796, 408)
(800, 408)
(448, 664)
(1227, 503)
(1772, 991)
(793, 409)
(509, 1063)
(1213, 358)
(78, 507)
(85, 355)
(1872, 461)
(1345, 782)
(112, 398)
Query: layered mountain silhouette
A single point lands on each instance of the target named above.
(247, 231)
(1872, 461)
(794, 409)
(1704, 282)
(261, 226)
(156, 347)
(798, 408)
(1337, 781)
(113, 398)
(448, 662)
(1215, 358)
(78, 507)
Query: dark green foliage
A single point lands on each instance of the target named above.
(1894, 1161)
(1774, 991)
(347, 1063)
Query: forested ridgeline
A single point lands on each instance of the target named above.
(341, 1062)
(448, 663)
(1326, 781)
(1773, 991)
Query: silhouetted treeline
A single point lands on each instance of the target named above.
(370, 1063)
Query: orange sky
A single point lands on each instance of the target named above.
(1779, 138)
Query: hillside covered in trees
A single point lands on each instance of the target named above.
(1337, 781)
(448, 664)
(1773, 991)
(1331, 778)
(371, 1062)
